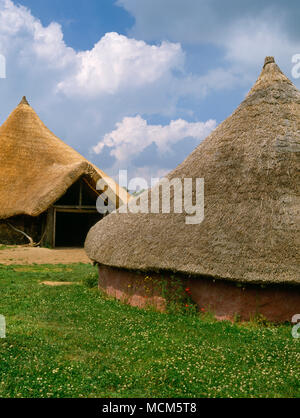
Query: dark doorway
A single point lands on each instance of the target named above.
(72, 228)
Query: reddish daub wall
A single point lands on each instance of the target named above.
(226, 300)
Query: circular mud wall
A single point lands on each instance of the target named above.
(226, 300)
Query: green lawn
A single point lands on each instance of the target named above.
(5, 247)
(74, 342)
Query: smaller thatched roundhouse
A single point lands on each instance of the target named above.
(243, 259)
(47, 190)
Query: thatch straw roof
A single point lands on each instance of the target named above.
(37, 168)
(250, 164)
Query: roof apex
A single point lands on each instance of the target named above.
(269, 60)
(24, 101)
(271, 76)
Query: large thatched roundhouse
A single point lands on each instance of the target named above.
(244, 258)
(47, 189)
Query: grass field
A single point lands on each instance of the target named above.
(5, 247)
(72, 341)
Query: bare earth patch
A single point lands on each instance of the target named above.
(54, 284)
(28, 256)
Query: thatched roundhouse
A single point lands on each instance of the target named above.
(47, 190)
(244, 258)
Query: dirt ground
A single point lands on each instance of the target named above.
(27, 256)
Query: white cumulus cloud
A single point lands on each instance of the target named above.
(244, 32)
(117, 62)
(133, 135)
(23, 34)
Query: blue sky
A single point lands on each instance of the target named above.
(138, 84)
(84, 22)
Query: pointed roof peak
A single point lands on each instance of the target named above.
(271, 69)
(24, 101)
(269, 60)
(272, 77)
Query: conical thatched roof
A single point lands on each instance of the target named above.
(37, 168)
(250, 164)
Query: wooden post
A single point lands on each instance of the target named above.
(80, 194)
(49, 228)
(54, 228)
